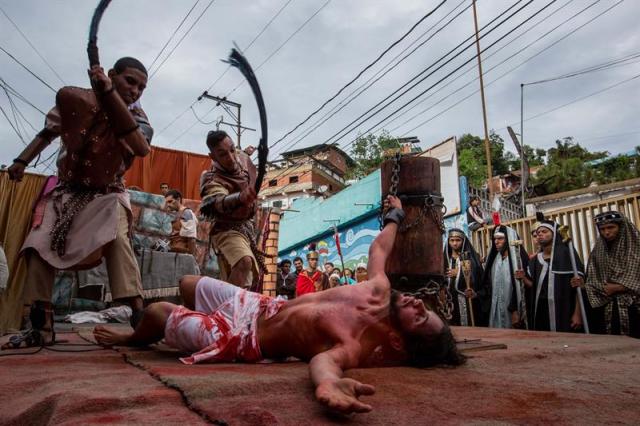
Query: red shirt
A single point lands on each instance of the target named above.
(305, 282)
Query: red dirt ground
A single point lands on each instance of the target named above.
(540, 378)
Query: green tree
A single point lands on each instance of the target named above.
(567, 168)
(472, 159)
(368, 153)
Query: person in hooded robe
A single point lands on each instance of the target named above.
(553, 300)
(503, 279)
(469, 302)
(613, 274)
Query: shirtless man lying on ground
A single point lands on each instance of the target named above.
(370, 325)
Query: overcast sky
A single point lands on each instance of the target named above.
(329, 50)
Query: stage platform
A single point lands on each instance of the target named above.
(539, 378)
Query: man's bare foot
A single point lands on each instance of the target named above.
(107, 336)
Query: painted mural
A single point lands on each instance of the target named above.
(354, 242)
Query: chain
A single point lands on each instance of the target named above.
(393, 188)
(445, 304)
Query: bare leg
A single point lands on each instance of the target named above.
(240, 272)
(188, 285)
(149, 330)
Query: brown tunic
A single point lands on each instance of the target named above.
(91, 157)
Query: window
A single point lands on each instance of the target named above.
(273, 182)
(293, 179)
(277, 203)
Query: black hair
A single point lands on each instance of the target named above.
(329, 263)
(295, 259)
(174, 193)
(129, 62)
(214, 137)
(473, 198)
(284, 262)
(164, 183)
(427, 351)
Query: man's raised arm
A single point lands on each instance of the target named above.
(382, 246)
(334, 391)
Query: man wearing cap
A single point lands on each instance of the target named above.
(613, 274)
(311, 279)
(553, 298)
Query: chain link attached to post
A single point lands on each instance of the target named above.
(436, 212)
(433, 289)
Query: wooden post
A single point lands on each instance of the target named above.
(487, 147)
(417, 254)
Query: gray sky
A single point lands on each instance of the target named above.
(326, 53)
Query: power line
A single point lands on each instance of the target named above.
(257, 68)
(503, 61)
(304, 24)
(474, 67)
(581, 98)
(32, 46)
(218, 79)
(593, 68)
(427, 69)
(17, 94)
(181, 39)
(472, 58)
(28, 70)
(173, 34)
(365, 69)
(377, 76)
(512, 69)
(442, 65)
(264, 28)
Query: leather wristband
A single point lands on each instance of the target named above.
(21, 161)
(394, 215)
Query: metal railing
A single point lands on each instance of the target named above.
(508, 210)
(579, 219)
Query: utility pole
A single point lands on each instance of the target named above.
(225, 101)
(487, 147)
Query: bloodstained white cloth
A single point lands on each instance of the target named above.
(229, 332)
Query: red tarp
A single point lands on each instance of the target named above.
(180, 169)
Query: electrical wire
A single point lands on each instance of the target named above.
(264, 28)
(472, 58)
(365, 69)
(503, 61)
(180, 41)
(18, 95)
(473, 67)
(378, 75)
(173, 35)
(218, 79)
(272, 54)
(414, 78)
(442, 65)
(28, 70)
(32, 46)
(255, 69)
